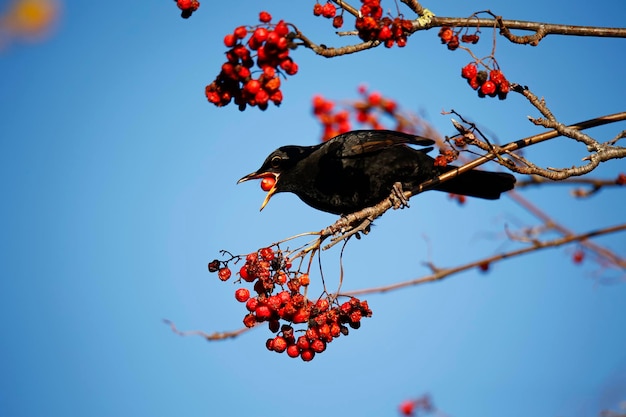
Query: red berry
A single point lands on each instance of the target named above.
(262, 312)
(184, 4)
(291, 69)
(249, 320)
(301, 316)
(224, 273)
(445, 33)
(355, 316)
(267, 183)
(277, 97)
(265, 17)
(252, 87)
(302, 342)
(484, 266)
(293, 351)
(260, 34)
(407, 408)
(240, 32)
(281, 28)
(261, 97)
(281, 279)
(230, 40)
(242, 295)
(317, 9)
(621, 179)
(488, 88)
(453, 43)
(390, 106)
(329, 10)
(305, 280)
(578, 256)
(374, 99)
(269, 72)
(242, 72)
(252, 304)
(473, 82)
(307, 355)
(245, 275)
(318, 345)
(267, 253)
(279, 344)
(469, 71)
(272, 84)
(496, 76)
(322, 304)
(338, 21)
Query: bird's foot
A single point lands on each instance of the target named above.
(397, 198)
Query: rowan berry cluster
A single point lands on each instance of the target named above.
(451, 38)
(372, 26)
(333, 121)
(279, 300)
(328, 11)
(489, 84)
(267, 45)
(187, 7)
(445, 157)
(366, 111)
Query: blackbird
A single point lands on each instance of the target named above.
(359, 169)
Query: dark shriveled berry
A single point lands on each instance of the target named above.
(214, 265)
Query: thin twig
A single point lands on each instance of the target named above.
(207, 336)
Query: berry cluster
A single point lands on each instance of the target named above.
(367, 111)
(372, 26)
(270, 43)
(333, 122)
(445, 157)
(489, 84)
(187, 7)
(279, 297)
(451, 38)
(328, 11)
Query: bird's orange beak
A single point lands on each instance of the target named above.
(257, 175)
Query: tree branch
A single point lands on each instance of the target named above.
(440, 274)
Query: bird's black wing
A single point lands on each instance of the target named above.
(361, 142)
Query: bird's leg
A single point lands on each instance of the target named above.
(397, 198)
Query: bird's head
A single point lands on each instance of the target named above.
(278, 165)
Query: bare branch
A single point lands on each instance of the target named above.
(441, 273)
(330, 52)
(541, 29)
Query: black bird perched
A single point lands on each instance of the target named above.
(358, 169)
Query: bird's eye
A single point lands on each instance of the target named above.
(275, 162)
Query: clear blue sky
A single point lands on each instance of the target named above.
(118, 186)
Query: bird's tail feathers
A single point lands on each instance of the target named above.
(480, 184)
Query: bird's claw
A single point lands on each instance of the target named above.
(397, 198)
